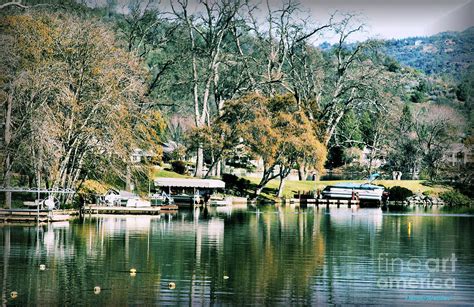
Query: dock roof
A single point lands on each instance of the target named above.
(189, 183)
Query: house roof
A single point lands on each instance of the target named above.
(189, 183)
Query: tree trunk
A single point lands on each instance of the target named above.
(199, 161)
(8, 137)
(316, 176)
(302, 175)
(281, 186)
(128, 178)
(263, 182)
(259, 190)
(219, 168)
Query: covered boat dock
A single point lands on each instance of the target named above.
(189, 190)
(189, 183)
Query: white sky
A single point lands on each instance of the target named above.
(397, 19)
(384, 19)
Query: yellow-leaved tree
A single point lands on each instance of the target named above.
(276, 131)
(75, 100)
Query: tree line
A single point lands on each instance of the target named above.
(83, 87)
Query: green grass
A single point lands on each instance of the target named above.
(292, 187)
(167, 173)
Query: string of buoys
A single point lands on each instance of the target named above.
(97, 289)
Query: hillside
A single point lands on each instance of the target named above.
(447, 53)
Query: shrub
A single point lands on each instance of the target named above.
(398, 193)
(233, 182)
(427, 193)
(179, 167)
(455, 198)
(89, 191)
(418, 97)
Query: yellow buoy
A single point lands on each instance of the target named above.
(226, 277)
(171, 285)
(14, 294)
(42, 267)
(133, 270)
(96, 290)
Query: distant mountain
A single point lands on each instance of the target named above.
(447, 53)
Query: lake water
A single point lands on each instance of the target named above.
(246, 255)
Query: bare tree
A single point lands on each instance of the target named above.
(436, 128)
(206, 33)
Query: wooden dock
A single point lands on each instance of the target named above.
(324, 202)
(32, 215)
(122, 210)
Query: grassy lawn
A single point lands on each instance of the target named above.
(292, 187)
(169, 174)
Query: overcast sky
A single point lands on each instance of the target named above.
(384, 19)
(397, 19)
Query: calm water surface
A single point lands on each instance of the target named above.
(271, 256)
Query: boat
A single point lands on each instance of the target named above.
(160, 199)
(137, 203)
(187, 198)
(118, 198)
(219, 200)
(49, 203)
(349, 190)
(360, 191)
(115, 198)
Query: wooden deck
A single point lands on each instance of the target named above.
(33, 215)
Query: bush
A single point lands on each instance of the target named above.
(233, 182)
(398, 193)
(455, 198)
(89, 191)
(178, 167)
(418, 97)
(427, 193)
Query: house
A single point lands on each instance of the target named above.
(459, 154)
(139, 155)
(378, 158)
(173, 151)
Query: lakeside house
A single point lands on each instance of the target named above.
(459, 154)
(140, 155)
(370, 158)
